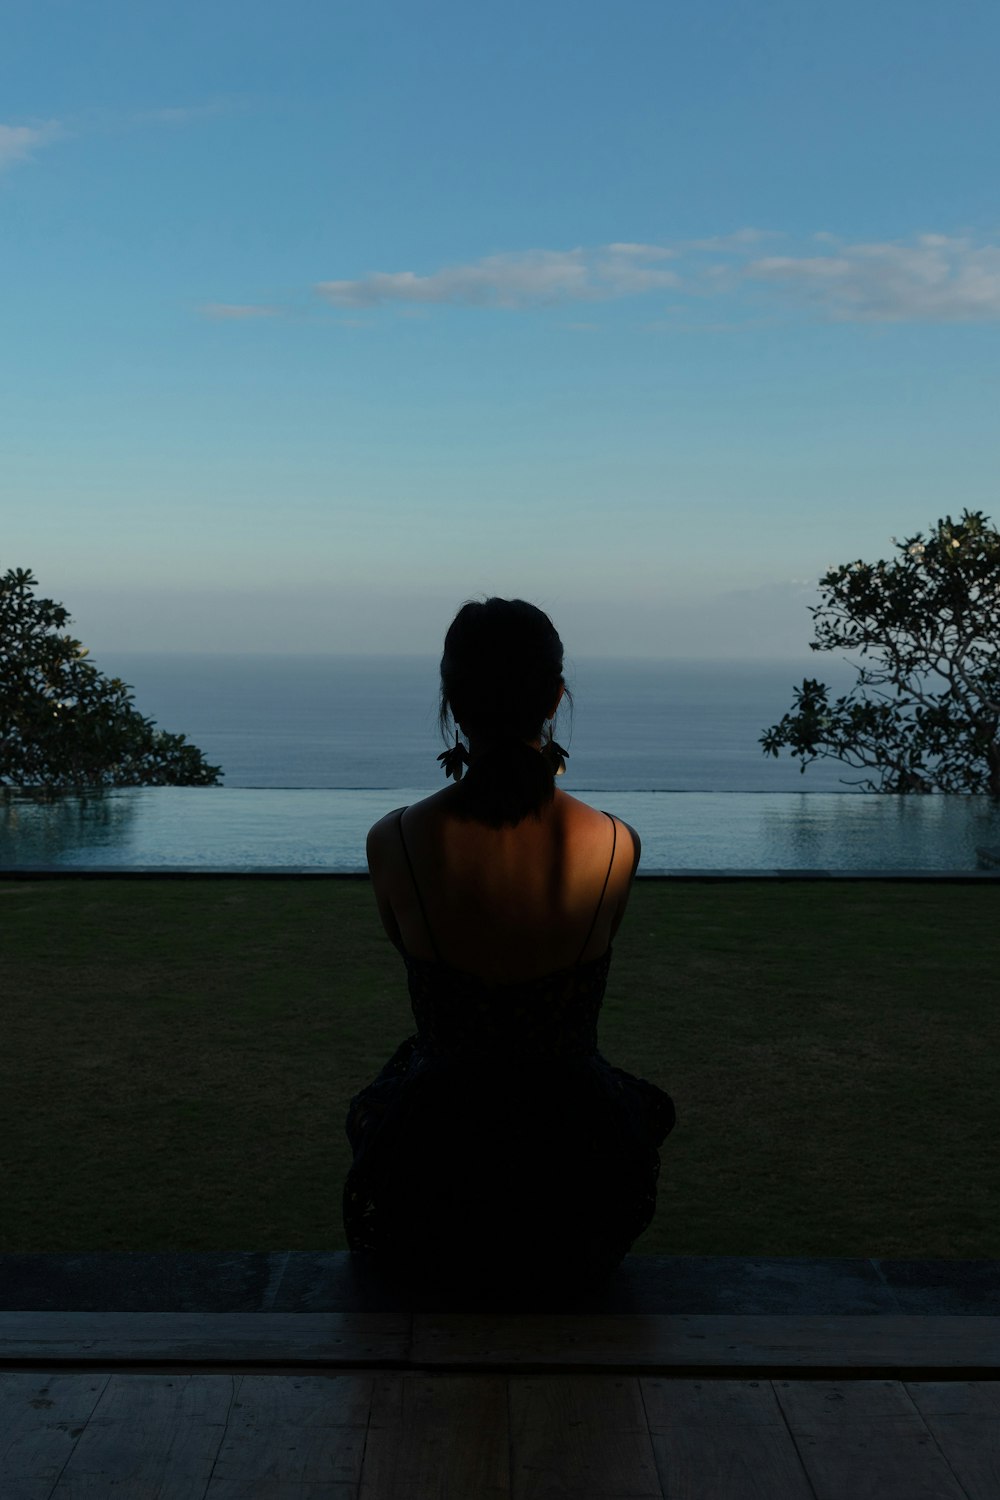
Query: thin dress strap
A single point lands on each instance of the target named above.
(614, 845)
(416, 887)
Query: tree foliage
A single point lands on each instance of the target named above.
(63, 723)
(924, 715)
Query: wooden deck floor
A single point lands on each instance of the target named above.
(404, 1435)
(391, 1406)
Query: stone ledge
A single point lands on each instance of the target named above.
(331, 1281)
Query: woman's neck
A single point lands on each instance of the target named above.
(478, 746)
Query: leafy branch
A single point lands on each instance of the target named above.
(63, 723)
(924, 714)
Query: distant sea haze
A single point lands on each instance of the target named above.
(372, 721)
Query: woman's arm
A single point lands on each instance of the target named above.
(636, 853)
(379, 851)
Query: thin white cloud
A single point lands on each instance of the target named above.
(936, 279)
(236, 310)
(18, 143)
(624, 275)
(933, 278)
(524, 280)
(531, 278)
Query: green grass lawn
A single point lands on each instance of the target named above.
(178, 1057)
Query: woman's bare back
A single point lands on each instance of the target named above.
(504, 904)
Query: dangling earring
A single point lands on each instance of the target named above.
(454, 761)
(556, 756)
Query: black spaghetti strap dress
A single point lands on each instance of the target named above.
(497, 1150)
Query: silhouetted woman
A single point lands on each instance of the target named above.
(497, 1151)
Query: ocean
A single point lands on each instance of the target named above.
(315, 749)
(355, 721)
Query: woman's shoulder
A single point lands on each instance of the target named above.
(383, 836)
(386, 829)
(594, 819)
(387, 820)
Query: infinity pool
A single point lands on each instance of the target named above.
(202, 828)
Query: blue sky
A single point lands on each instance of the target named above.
(319, 320)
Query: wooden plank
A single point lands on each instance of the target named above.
(432, 1437)
(668, 1341)
(612, 1401)
(621, 1341)
(581, 1437)
(866, 1439)
(950, 1398)
(41, 1419)
(308, 1400)
(296, 1437)
(149, 1435)
(328, 1339)
(722, 1437)
(694, 1403)
(965, 1424)
(188, 1398)
(971, 1446)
